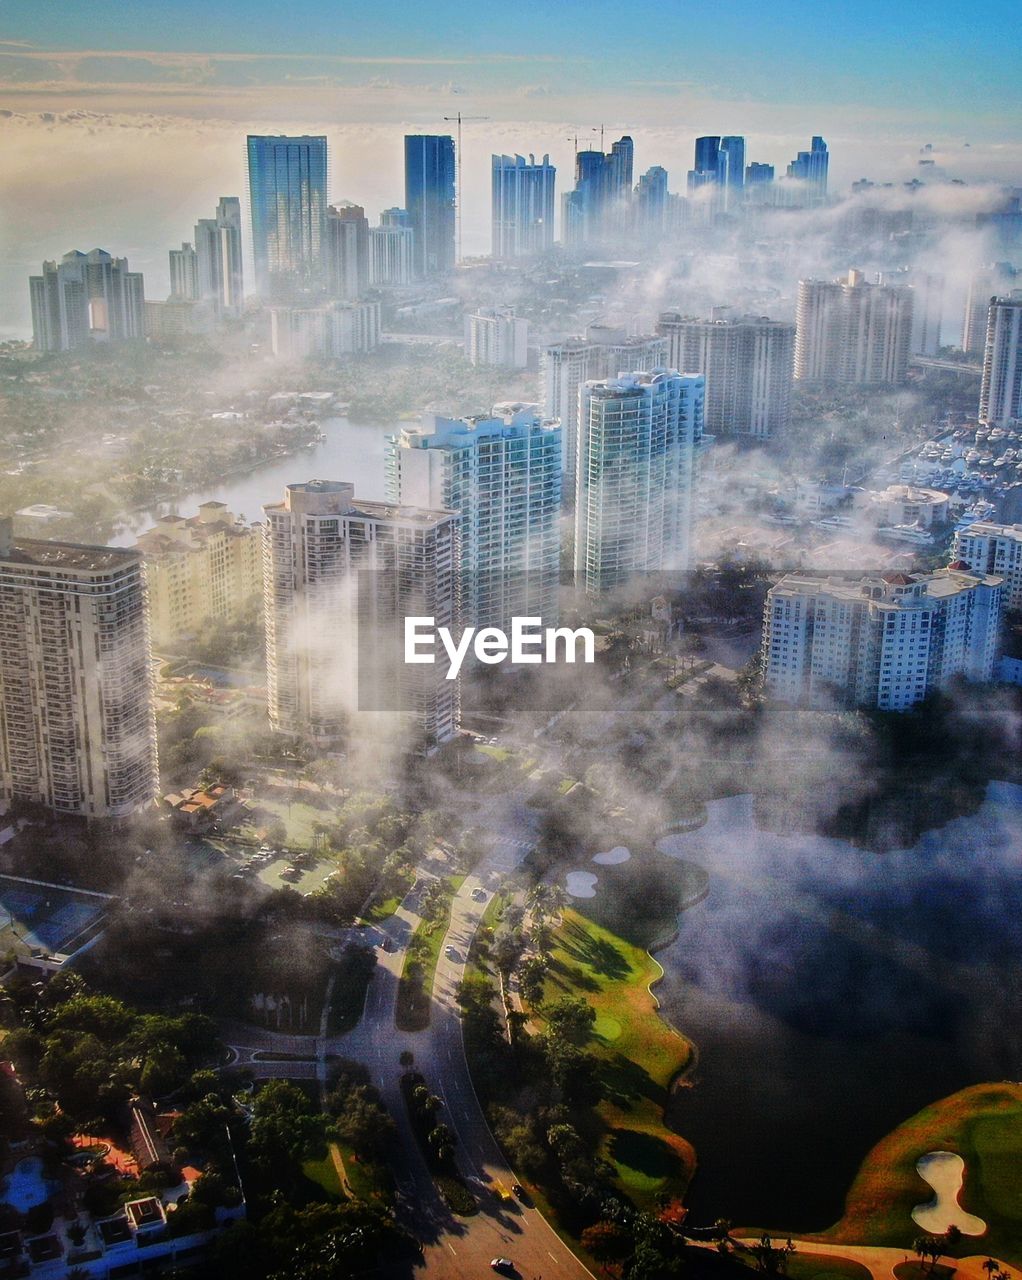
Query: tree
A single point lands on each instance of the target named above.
(531, 979)
(929, 1247)
(607, 1242)
(287, 1131)
(571, 1018)
(771, 1259)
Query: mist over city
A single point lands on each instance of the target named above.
(510, 641)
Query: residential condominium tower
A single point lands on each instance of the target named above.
(339, 578)
(502, 473)
(347, 252)
(430, 201)
(996, 279)
(984, 547)
(852, 331)
(86, 297)
(638, 439)
(221, 280)
(287, 183)
(810, 168)
(497, 336)
(1000, 394)
(883, 641)
(748, 363)
(522, 207)
(77, 721)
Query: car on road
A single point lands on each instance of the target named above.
(504, 1265)
(479, 894)
(451, 953)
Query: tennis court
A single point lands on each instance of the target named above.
(35, 916)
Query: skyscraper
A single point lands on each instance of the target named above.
(810, 168)
(747, 361)
(639, 435)
(184, 273)
(502, 472)
(565, 366)
(522, 208)
(731, 172)
(347, 251)
(651, 203)
(77, 720)
(996, 278)
(599, 206)
(391, 251)
(220, 264)
(852, 331)
(1000, 396)
(927, 306)
(497, 336)
(340, 576)
(86, 297)
(287, 182)
(429, 199)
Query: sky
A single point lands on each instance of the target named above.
(122, 121)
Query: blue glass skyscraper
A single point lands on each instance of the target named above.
(429, 199)
(287, 182)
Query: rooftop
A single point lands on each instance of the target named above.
(68, 555)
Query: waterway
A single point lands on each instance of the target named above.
(350, 451)
(832, 993)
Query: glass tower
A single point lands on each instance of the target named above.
(429, 199)
(287, 181)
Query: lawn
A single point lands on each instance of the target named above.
(324, 1174)
(640, 1053)
(984, 1125)
(384, 908)
(415, 987)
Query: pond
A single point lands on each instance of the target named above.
(832, 993)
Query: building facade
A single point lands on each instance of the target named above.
(599, 207)
(184, 273)
(502, 473)
(287, 183)
(347, 252)
(809, 168)
(748, 364)
(885, 641)
(430, 201)
(1000, 395)
(993, 548)
(324, 332)
(638, 441)
(391, 254)
(565, 366)
(220, 265)
(522, 206)
(77, 720)
(207, 566)
(339, 577)
(86, 297)
(851, 331)
(995, 279)
(496, 336)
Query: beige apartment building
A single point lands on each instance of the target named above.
(206, 566)
(77, 724)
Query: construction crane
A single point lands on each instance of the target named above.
(458, 198)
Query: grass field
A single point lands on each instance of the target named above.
(984, 1125)
(415, 987)
(641, 1055)
(324, 1174)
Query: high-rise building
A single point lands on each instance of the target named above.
(205, 567)
(564, 366)
(639, 436)
(496, 336)
(430, 201)
(502, 472)
(652, 203)
(184, 273)
(221, 280)
(86, 297)
(810, 169)
(287, 183)
(324, 332)
(852, 331)
(340, 576)
(983, 547)
(748, 364)
(884, 641)
(927, 306)
(391, 252)
(1000, 395)
(731, 171)
(347, 251)
(989, 281)
(77, 720)
(522, 206)
(599, 206)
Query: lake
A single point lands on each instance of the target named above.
(351, 451)
(832, 993)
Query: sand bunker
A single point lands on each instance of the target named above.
(945, 1172)
(612, 857)
(581, 884)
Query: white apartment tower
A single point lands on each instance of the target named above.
(339, 577)
(995, 279)
(522, 208)
(747, 362)
(1000, 395)
(502, 473)
(496, 336)
(993, 548)
(639, 436)
(77, 724)
(219, 258)
(852, 331)
(564, 366)
(883, 641)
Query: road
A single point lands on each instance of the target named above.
(454, 1248)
